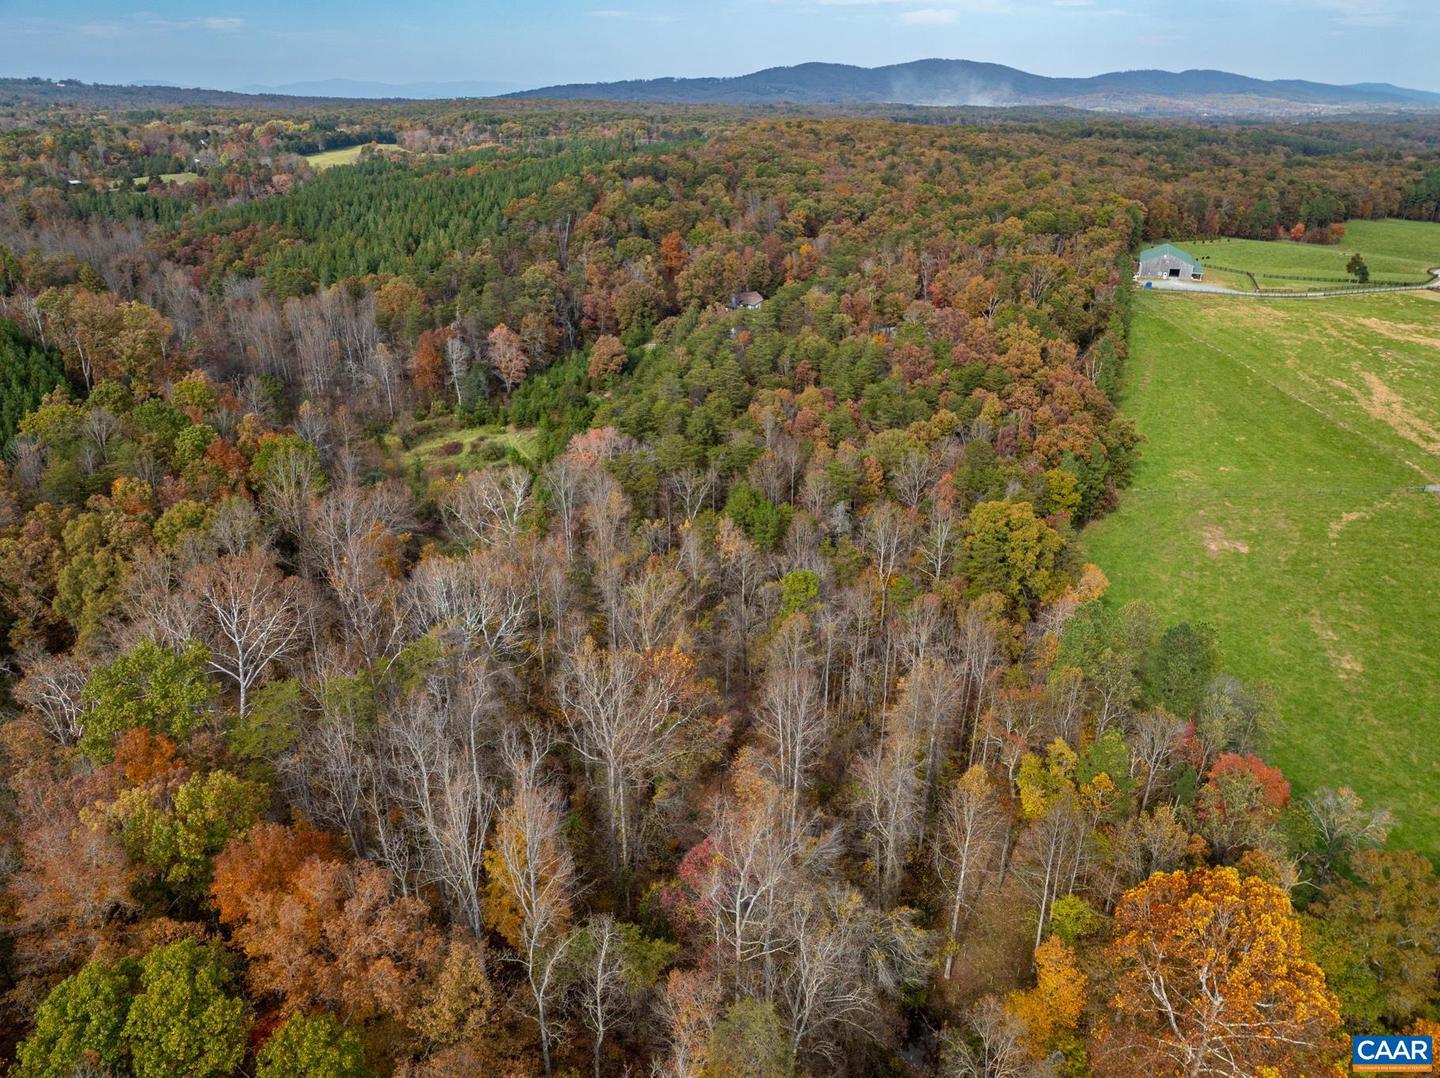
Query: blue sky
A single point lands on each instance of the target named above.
(524, 43)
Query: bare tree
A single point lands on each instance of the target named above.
(51, 688)
(888, 533)
(996, 1048)
(844, 958)
(316, 347)
(929, 704)
(458, 356)
(252, 616)
(1142, 845)
(487, 506)
(609, 985)
(891, 803)
(563, 478)
(485, 596)
(981, 657)
(353, 539)
(968, 837)
(792, 716)
(444, 779)
(287, 488)
(914, 476)
(693, 488)
(623, 710)
(1052, 855)
(653, 612)
(1154, 739)
(939, 543)
(758, 865)
(530, 849)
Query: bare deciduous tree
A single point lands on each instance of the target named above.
(891, 803)
(51, 689)
(487, 506)
(530, 850)
(623, 710)
(251, 616)
(792, 716)
(967, 842)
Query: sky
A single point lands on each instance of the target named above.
(239, 44)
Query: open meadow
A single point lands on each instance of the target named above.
(346, 155)
(1396, 252)
(1280, 498)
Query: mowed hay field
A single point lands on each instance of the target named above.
(345, 156)
(1275, 500)
(1396, 252)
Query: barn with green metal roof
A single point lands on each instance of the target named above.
(1168, 261)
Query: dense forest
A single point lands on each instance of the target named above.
(749, 708)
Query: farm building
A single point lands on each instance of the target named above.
(749, 300)
(1169, 261)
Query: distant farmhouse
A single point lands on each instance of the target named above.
(1169, 261)
(750, 301)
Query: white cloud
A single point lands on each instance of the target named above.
(218, 23)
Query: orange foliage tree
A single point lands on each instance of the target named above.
(320, 932)
(1210, 977)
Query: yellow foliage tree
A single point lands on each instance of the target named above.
(1052, 1008)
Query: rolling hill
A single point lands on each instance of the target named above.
(967, 82)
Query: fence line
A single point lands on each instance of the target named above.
(1283, 491)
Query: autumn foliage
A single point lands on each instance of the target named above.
(1211, 976)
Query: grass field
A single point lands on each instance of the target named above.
(1275, 500)
(346, 156)
(1395, 251)
(479, 446)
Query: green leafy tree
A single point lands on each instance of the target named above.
(1382, 935)
(167, 692)
(1356, 268)
(179, 840)
(761, 519)
(185, 517)
(184, 1020)
(749, 1041)
(27, 373)
(799, 591)
(80, 1022)
(1180, 667)
(97, 548)
(1012, 552)
(312, 1046)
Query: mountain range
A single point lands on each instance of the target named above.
(968, 82)
(1196, 93)
(370, 90)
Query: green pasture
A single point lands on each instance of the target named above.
(345, 156)
(1279, 498)
(1396, 252)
